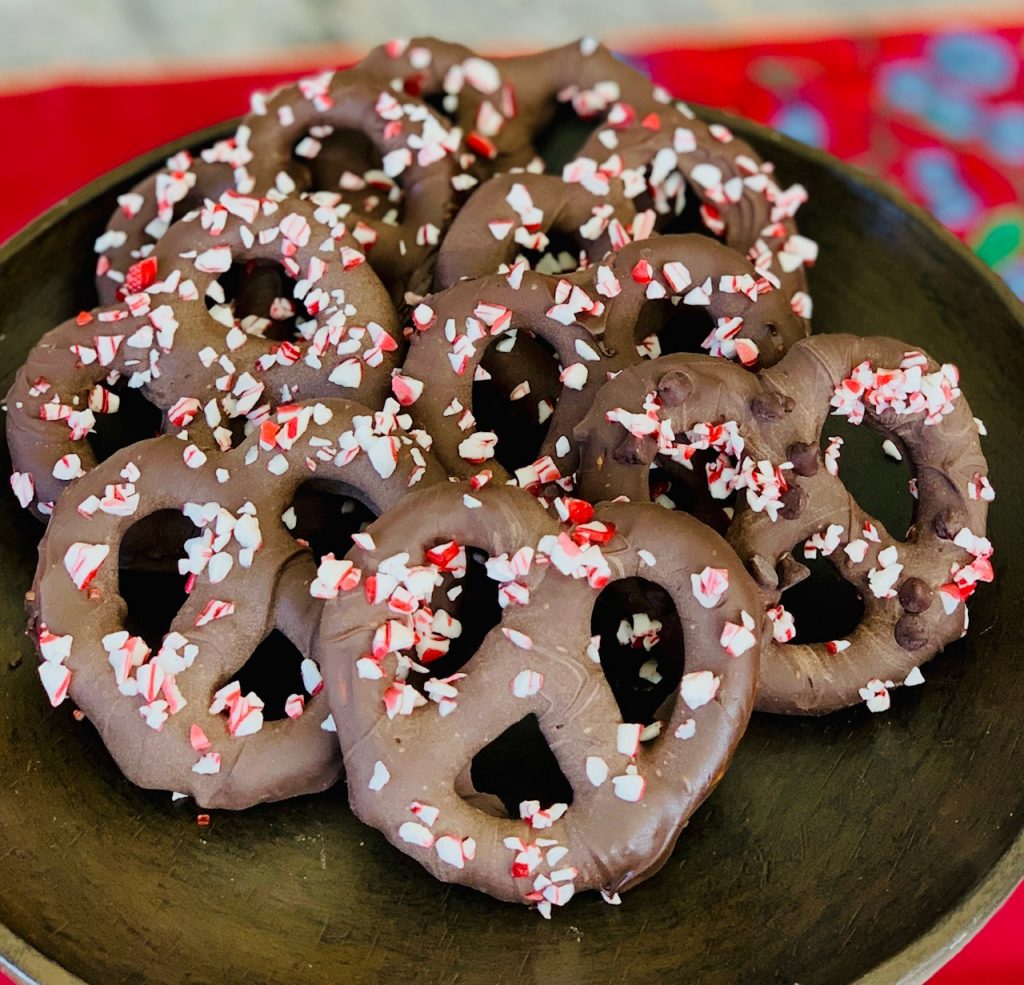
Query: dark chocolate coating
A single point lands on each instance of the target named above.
(674, 388)
(946, 457)
(286, 757)
(806, 457)
(337, 301)
(915, 595)
(612, 843)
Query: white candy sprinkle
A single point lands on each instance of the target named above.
(416, 834)
(527, 683)
(698, 688)
(914, 678)
(519, 639)
(891, 450)
(627, 738)
(380, 777)
(629, 787)
(687, 730)
(597, 770)
(876, 695)
(574, 376)
(207, 764)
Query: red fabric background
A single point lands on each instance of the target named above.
(58, 137)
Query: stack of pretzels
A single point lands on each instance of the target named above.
(384, 288)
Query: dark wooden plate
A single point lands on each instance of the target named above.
(860, 847)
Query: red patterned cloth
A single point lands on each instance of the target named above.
(940, 114)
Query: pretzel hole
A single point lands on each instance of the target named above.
(148, 578)
(239, 427)
(518, 765)
(343, 152)
(258, 295)
(562, 137)
(665, 327)
(879, 483)
(196, 196)
(274, 673)
(435, 99)
(676, 488)
(563, 254)
(642, 649)
(476, 607)
(135, 419)
(517, 422)
(326, 515)
(688, 219)
(824, 606)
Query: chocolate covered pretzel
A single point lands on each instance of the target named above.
(388, 179)
(658, 149)
(540, 222)
(517, 216)
(145, 212)
(469, 88)
(173, 713)
(416, 149)
(409, 733)
(186, 182)
(654, 147)
(591, 321)
(764, 432)
(180, 344)
(645, 144)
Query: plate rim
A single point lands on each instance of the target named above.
(925, 954)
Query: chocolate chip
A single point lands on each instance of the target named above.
(791, 571)
(911, 632)
(804, 457)
(762, 572)
(674, 388)
(771, 406)
(915, 595)
(635, 450)
(793, 500)
(949, 522)
(772, 340)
